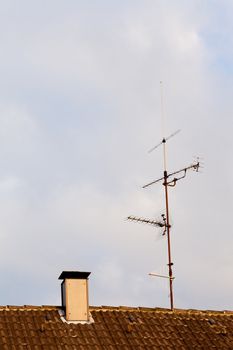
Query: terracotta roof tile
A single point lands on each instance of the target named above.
(41, 328)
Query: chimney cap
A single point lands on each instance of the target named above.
(74, 275)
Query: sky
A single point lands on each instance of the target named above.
(80, 106)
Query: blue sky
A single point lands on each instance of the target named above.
(79, 108)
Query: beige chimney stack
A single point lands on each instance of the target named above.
(74, 293)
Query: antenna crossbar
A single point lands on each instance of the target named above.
(147, 221)
(195, 166)
(162, 276)
(164, 140)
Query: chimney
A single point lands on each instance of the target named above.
(74, 294)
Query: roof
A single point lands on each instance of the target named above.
(123, 328)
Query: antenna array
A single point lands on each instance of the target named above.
(168, 180)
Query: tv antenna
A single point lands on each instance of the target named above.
(150, 221)
(168, 180)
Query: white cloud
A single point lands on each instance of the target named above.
(9, 184)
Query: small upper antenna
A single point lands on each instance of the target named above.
(164, 140)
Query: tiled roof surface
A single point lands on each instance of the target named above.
(41, 328)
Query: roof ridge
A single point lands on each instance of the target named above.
(29, 307)
(158, 309)
(122, 308)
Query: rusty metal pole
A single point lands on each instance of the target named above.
(168, 239)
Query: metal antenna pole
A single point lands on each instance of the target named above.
(168, 240)
(168, 224)
(166, 200)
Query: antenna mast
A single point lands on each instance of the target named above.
(167, 204)
(168, 180)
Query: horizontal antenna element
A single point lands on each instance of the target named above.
(147, 221)
(195, 166)
(164, 140)
(163, 276)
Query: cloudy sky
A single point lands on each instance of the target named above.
(79, 109)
